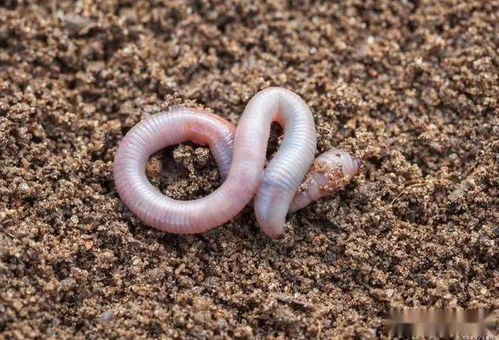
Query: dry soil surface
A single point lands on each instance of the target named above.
(411, 87)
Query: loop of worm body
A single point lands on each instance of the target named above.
(240, 155)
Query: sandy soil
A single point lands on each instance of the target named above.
(409, 86)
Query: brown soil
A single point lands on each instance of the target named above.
(411, 88)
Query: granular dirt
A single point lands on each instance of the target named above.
(411, 87)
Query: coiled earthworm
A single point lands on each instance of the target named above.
(240, 155)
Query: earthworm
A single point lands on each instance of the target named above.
(240, 155)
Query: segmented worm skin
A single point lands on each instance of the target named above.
(330, 172)
(240, 155)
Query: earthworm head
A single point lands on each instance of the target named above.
(330, 172)
(338, 158)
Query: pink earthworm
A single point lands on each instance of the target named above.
(240, 155)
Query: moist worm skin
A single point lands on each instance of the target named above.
(330, 172)
(240, 155)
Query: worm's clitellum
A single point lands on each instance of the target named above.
(240, 155)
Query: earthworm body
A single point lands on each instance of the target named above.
(240, 155)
